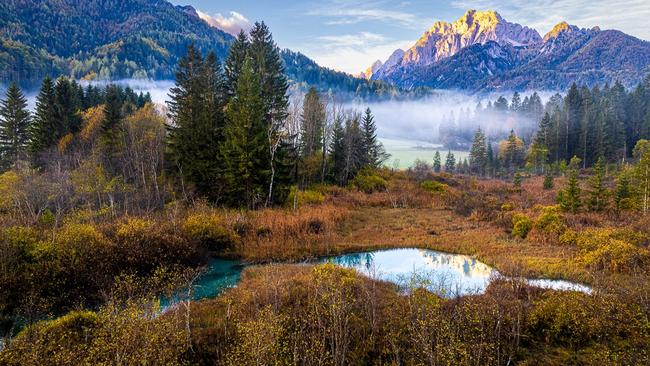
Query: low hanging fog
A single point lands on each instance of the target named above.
(411, 129)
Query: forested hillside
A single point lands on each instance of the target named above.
(89, 39)
(141, 39)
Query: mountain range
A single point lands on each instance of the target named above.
(481, 51)
(144, 39)
(124, 39)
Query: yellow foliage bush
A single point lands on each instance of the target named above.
(521, 225)
(434, 187)
(609, 249)
(304, 197)
(209, 230)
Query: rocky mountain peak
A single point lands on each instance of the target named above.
(371, 70)
(445, 39)
(562, 27)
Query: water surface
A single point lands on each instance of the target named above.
(445, 274)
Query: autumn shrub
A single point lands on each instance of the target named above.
(127, 335)
(210, 231)
(609, 249)
(549, 224)
(368, 181)
(433, 186)
(304, 197)
(144, 245)
(521, 225)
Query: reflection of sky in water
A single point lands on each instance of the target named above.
(446, 274)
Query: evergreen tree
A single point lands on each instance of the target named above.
(437, 164)
(245, 154)
(491, 160)
(14, 127)
(374, 151)
(195, 109)
(337, 152)
(66, 108)
(268, 65)
(515, 105)
(312, 124)
(548, 179)
(642, 173)
(569, 198)
(598, 191)
(450, 163)
(624, 195)
(44, 128)
(478, 156)
(234, 62)
(512, 155)
(574, 117)
(111, 127)
(517, 180)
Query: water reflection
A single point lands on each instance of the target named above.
(448, 275)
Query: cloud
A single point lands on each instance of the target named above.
(233, 24)
(352, 40)
(629, 16)
(352, 53)
(342, 12)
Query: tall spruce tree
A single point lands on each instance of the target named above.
(234, 62)
(267, 63)
(450, 163)
(45, 126)
(66, 108)
(337, 152)
(598, 193)
(195, 109)
(437, 162)
(374, 151)
(570, 198)
(14, 127)
(478, 157)
(244, 151)
(111, 129)
(312, 123)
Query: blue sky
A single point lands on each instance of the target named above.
(349, 35)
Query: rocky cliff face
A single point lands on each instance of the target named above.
(482, 51)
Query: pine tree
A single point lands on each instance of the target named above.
(312, 124)
(244, 151)
(478, 158)
(234, 62)
(642, 173)
(437, 164)
(111, 128)
(513, 152)
(569, 198)
(450, 163)
(515, 105)
(66, 108)
(374, 151)
(268, 64)
(337, 152)
(14, 127)
(517, 180)
(548, 179)
(195, 110)
(598, 192)
(44, 127)
(623, 197)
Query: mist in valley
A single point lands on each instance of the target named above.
(410, 129)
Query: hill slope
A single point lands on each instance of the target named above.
(483, 52)
(122, 39)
